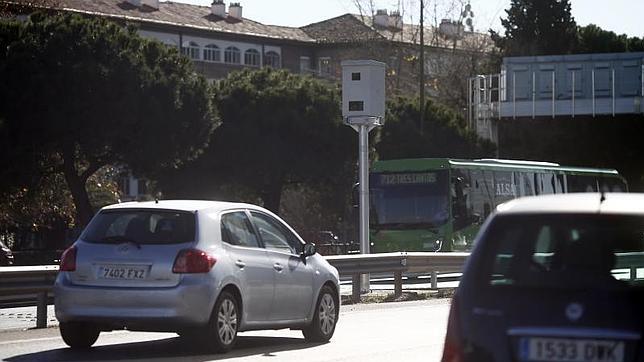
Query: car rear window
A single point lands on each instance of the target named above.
(586, 251)
(141, 227)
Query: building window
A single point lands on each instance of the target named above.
(272, 59)
(232, 55)
(305, 65)
(211, 53)
(251, 57)
(191, 50)
(324, 66)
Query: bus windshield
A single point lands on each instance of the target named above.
(409, 199)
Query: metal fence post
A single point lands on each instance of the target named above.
(573, 94)
(397, 284)
(355, 288)
(554, 98)
(593, 90)
(434, 279)
(41, 310)
(613, 88)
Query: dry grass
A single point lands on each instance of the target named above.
(379, 297)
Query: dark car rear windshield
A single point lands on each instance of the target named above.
(586, 251)
(141, 227)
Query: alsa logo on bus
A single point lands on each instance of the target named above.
(407, 178)
(506, 189)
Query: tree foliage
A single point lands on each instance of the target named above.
(444, 135)
(537, 27)
(79, 94)
(41, 215)
(278, 130)
(593, 39)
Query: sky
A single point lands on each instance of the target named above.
(620, 16)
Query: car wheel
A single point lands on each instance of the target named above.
(224, 323)
(325, 318)
(79, 335)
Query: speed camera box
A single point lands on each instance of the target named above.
(363, 88)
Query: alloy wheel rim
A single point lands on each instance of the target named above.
(327, 314)
(227, 322)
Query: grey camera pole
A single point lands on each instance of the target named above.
(363, 125)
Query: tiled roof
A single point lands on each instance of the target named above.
(410, 34)
(346, 28)
(353, 28)
(185, 15)
(342, 29)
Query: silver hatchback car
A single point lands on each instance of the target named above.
(203, 269)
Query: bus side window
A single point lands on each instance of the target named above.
(528, 188)
(459, 203)
(486, 210)
(559, 185)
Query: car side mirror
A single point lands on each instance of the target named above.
(309, 249)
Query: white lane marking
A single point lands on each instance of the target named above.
(2, 343)
(29, 340)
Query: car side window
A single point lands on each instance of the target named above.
(274, 235)
(237, 230)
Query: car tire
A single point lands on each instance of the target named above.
(325, 317)
(79, 335)
(224, 324)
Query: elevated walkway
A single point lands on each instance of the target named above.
(558, 86)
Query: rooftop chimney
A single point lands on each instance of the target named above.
(218, 8)
(235, 11)
(381, 18)
(450, 29)
(395, 20)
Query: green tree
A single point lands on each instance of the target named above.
(41, 215)
(278, 130)
(537, 27)
(444, 133)
(79, 94)
(593, 39)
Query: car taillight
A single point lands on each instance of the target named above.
(193, 261)
(68, 260)
(453, 349)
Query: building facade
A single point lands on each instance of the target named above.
(219, 40)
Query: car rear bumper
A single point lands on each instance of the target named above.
(155, 309)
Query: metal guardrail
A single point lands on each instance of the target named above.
(20, 283)
(397, 263)
(35, 283)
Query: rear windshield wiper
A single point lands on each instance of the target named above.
(403, 226)
(118, 239)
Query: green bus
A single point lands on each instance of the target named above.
(438, 204)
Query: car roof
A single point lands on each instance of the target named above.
(183, 205)
(582, 203)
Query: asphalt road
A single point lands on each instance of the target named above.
(406, 331)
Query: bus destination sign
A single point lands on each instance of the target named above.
(408, 178)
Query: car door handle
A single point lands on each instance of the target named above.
(278, 267)
(240, 263)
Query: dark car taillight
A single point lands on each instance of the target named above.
(68, 260)
(193, 261)
(453, 349)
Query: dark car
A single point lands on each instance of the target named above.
(554, 278)
(6, 256)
